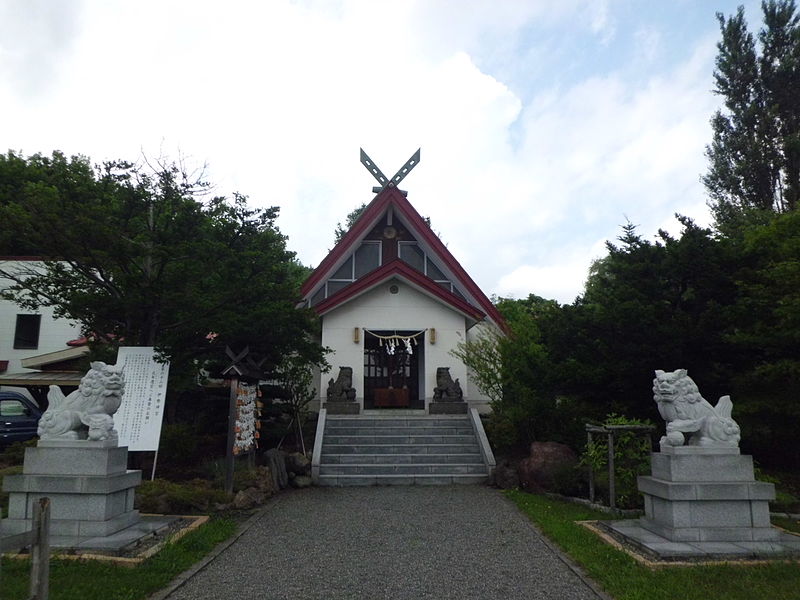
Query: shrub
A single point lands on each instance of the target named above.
(191, 497)
(631, 458)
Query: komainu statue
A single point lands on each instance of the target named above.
(342, 389)
(87, 413)
(688, 414)
(446, 389)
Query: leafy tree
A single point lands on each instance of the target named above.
(754, 158)
(138, 255)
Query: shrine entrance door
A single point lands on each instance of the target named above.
(393, 369)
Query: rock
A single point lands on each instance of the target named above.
(264, 481)
(249, 498)
(505, 475)
(276, 462)
(548, 464)
(301, 481)
(298, 463)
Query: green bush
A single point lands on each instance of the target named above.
(14, 454)
(631, 458)
(191, 497)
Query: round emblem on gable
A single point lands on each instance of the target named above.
(389, 232)
(393, 289)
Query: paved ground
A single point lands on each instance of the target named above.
(388, 542)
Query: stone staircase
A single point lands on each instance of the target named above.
(400, 450)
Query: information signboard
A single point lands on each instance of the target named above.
(138, 419)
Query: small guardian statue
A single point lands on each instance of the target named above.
(689, 415)
(342, 389)
(87, 413)
(446, 389)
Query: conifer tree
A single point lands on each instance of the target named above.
(754, 158)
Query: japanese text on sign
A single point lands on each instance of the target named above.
(138, 420)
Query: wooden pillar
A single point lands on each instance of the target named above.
(40, 551)
(612, 492)
(229, 458)
(591, 471)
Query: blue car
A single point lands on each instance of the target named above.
(19, 418)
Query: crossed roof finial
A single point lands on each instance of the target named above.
(399, 176)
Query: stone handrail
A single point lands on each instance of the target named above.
(316, 457)
(483, 441)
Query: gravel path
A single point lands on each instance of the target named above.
(388, 542)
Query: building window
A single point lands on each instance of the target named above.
(412, 254)
(365, 259)
(26, 334)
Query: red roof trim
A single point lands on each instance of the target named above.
(392, 269)
(393, 197)
(410, 213)
(374, 209)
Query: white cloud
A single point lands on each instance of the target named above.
(277, 97)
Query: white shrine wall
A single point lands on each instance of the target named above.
(407, 310)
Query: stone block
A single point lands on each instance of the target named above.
(727, 534)
(760, 490)
(722, 513)
(670, 514)
(447, 408)
(100, 461)
(722, 491)
(666, 489)
(78, 507)
(342, 408)
(710, 468)
(759, 514)
(77, 484)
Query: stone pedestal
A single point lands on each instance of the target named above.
(342, 407)
(90, 489)
(703, 504)
(706, 495)
(447, 408)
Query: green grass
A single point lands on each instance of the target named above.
(788, 524)
(95, 580)
(625, 579)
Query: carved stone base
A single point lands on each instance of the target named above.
(704, 496)
(447, 408)
(703, 503)
(90, 489)
(342, 407)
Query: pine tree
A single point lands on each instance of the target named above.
(754, 158)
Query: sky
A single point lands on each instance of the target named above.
(543, 125)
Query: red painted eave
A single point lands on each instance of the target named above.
(392, 196)
(374, 209)
(397, 268)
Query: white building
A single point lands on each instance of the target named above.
(25, 334)
(394, 303)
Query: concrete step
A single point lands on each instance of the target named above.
(399, 449)
(427, 430)
(363, 480)
(359, 440)
(426, 421)
(400, 459)
(410, 469)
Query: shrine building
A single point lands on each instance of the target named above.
(394, 303)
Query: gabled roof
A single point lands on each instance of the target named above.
(392, 198)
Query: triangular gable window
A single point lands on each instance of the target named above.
(365, 259)
(416, 257)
